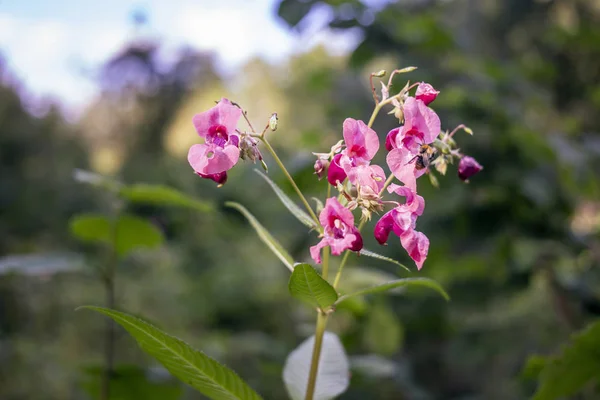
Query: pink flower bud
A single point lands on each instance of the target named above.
(336, 172)
(321, 167)
(468, 167)
(426, 93)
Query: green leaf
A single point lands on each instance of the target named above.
(162, 195)
(307, 285)
(294, 11)
(131, 232)
(289, 204)
(426, 282)
(577, 365)
(368, 253)
(333, 376)
(91, 228)
(187, 364)
(135, 232)
(265, 236)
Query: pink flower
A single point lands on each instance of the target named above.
(421, 126)
(362, 144)
(339, 230)
(402, 221)
(426, 93)
(468, 167)
(402, 163)
(220, 177)
(369, 179)
(220, 150)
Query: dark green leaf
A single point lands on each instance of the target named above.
(367, 253)
(162, 195)
(265, 236)
(187, 364)
(307, 285)
(577, 365)
(426, 282)
(289, 204)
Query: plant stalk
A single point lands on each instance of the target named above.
(316, 355)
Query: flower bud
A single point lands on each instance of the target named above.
(426, 93)
(468, 167)
(321, 167)
(273, 122)
(335, 172)
(380, 74)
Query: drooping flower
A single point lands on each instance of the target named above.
(402, 221)
(426, 93)
(339, 230)
(467, 167)
(220, 150)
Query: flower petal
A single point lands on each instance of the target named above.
(361, 141)
(224, 113)
(417, 246)
(315, 251)
(336, 172)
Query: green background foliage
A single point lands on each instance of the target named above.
(517, 249)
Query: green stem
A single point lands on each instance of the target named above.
(289, 177)
(316, 355)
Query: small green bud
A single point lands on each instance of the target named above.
(264, 165)
(273, 122)
(468, 130)
(434, 181)
(380, 74)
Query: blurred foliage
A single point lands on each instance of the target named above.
(518, 249)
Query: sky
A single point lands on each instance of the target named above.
(49, 45)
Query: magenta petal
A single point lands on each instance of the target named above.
(220, 178)
(414, 202)
(468, 167)
(334, 210)
(336, 172)
(432, 123)
(417, 246)
(426, 93)
(357, 243)
(390, 139)
(383, 227)
(315, 251)
(224, 113)
(419, 121)
(361, 141)
(401, 163)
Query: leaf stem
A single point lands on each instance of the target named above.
(316, 355)
(289, 177)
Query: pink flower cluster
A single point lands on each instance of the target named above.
(405, 160)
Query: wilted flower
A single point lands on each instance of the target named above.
(220, 151)
(249, 149)
(321, 167)
(339, 230)
(426, 93)
(468, 167)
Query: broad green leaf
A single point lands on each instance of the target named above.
(383, 332)
(131, 232)
(135, 232)
(367, 253)
(333, 375)
(91, 228)
(426, 282)
(265, 236)
(577, 365)
(307, 285)
(187, 364)
(162, 195)
(289, 204)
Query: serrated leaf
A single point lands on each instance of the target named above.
(333, 375)
(162, 195)
(193, 367)
(131, 232)
(426, 282)
(368, 253)
(265, 236)
(135, 232)
(307, 285)
(288, 203)
(577, 365)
